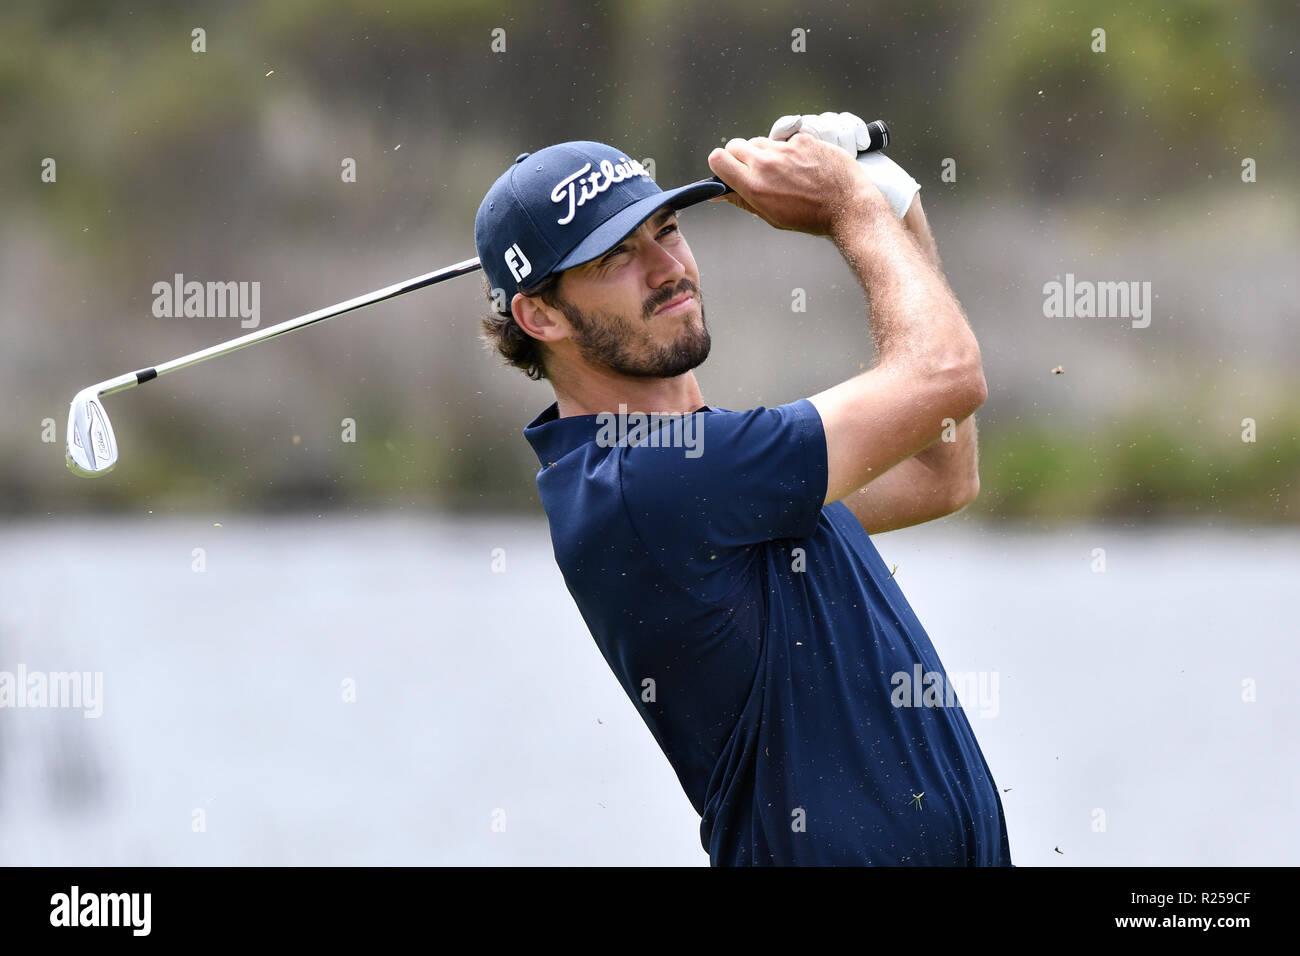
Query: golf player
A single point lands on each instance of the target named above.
(722, 559)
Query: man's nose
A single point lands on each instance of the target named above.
(664, 267)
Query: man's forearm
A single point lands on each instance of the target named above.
(956, 460)
(955, 463)
(916, 319)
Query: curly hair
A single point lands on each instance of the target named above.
(501, 333)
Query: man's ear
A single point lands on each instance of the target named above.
(538, 319)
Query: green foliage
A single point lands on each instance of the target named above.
(1177, 85)
(1140, 469)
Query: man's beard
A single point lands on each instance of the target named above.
(620, 344)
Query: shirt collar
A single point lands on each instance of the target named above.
(553, 437)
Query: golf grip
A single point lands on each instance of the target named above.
(878, 131)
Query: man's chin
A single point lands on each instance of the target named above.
(611, 349)
(689, 353)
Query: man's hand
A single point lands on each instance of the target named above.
(803, 185)
(844, 130)
(850, 134)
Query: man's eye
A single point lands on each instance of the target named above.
(618, 250)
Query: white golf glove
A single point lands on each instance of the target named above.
(850, 134)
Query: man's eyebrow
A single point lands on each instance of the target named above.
(662, 216)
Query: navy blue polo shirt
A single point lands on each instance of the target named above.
(761, 638)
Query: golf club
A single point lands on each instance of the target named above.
(91, 445)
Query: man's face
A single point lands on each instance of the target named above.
(615, 304)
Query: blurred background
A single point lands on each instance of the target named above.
(243, 562)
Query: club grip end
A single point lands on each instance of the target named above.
(876, 129)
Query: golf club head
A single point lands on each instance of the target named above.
(92, 448)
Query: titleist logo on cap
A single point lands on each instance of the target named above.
(607, 175)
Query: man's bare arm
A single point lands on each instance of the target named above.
(929, 365)
(939, 479)
(912, 492)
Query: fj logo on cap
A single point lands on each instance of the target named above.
(518, 262)
(566, 190)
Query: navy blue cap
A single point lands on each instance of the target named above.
(565, 205)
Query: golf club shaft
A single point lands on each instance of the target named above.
(132, 379)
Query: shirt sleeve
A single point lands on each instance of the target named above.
(750, 477)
